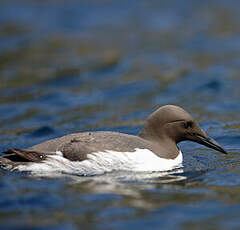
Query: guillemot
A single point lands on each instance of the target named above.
(88, 153)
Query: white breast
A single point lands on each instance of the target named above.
(101, 162)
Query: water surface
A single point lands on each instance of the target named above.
(68, 66)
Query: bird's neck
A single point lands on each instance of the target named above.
(167, 148)
(163, 145)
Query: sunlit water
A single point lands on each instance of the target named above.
(68, 66)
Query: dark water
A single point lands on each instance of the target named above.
(67, 66)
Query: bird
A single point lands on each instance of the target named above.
(92, 153)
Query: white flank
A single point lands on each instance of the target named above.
(101, 162)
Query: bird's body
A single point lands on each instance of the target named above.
(88, 153)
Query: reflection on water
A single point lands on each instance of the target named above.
(125, 177)
(67, 66)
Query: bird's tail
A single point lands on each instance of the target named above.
(15, 157)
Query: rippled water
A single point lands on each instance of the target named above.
(67, 66)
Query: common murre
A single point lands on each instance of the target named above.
(88, 153)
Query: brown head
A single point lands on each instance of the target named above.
(171, 123)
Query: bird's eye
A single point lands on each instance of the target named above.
(188, 124)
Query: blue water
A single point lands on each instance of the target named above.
(69, 66)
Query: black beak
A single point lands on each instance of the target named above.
(209, 142)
